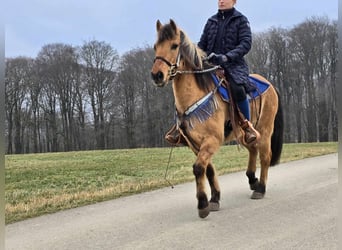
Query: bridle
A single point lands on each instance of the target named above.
(172, 72)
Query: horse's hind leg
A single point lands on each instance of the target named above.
(214, 204)
(254, 183)
(259, 187)
(265, 158)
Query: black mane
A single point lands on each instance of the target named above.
(166, 33)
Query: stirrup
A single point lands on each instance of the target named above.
(252, 136)
(174, 137)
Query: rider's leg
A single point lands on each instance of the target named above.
(244, 108)
(239, 95)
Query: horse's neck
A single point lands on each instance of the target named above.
(186, 91)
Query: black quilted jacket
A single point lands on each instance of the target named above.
(236, 41)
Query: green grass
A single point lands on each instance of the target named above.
(37, 184)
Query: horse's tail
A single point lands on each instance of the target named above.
(277, 136)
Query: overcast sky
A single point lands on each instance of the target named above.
(128, 24)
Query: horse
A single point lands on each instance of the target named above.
(202, 121)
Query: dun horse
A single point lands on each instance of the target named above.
(203, 114)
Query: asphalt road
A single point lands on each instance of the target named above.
(299, 211)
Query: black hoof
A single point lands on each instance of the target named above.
(259, 190)
(204, 212)
(214, 206)
(257, 196)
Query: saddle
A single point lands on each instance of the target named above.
(177, 135)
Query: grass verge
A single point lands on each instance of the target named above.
(37, 184)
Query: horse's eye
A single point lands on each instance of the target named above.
(174, 46)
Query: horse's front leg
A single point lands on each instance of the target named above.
(214, 203)
(201, 168)
(203, 204)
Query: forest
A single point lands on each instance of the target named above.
(87, 97)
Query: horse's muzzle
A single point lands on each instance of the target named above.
(158, 78)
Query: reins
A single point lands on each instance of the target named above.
(167, 168)
(173, 67)
(196, 71)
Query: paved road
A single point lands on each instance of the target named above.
(299, 211)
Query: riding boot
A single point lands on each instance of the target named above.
(174, 137)
(252, 136)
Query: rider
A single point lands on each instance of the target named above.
(226, 39)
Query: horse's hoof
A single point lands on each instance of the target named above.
(257, 195)
(214, 206)
(202, 213)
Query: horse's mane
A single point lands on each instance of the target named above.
(191, 54)
(193, 58)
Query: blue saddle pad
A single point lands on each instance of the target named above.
(260, 86)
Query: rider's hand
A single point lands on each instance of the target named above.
(217, 59)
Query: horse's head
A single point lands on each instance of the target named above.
(175, 54)
(167, 52)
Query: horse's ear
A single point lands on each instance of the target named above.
(173, 25)
(182, 36)
(159, 25)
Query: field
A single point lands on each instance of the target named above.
(37, 184)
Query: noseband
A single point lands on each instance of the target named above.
(172, 72)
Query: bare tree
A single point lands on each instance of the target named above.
(48, 102)
(258, 57)
(60, 69)
(128, 89)
(100, 61)
(147, 111)
(309, 40)
(331, 58)
(34, 89)
(17, 76)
